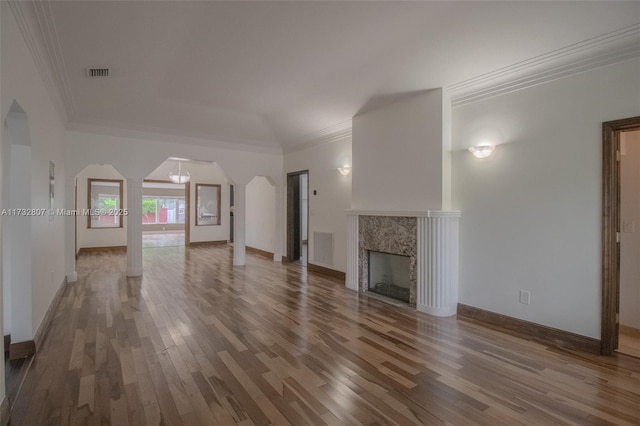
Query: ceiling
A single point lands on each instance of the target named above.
(280, 74)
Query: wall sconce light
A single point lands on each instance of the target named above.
(482, 151)
(344, 170)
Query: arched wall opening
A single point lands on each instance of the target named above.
(17, 232)
(205, 199)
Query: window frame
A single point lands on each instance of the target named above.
(163, 197)
(120, 216)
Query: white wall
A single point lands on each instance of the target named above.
(327, 208)
(630, 224)
(99, 237)
(22, 82)
(531, 212)
(260, 221)
(398, 155)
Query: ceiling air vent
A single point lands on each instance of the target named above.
(98, 72)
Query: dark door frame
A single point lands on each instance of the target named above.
(293, 214)
(609, 326)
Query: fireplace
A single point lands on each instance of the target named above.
(389, 275)
(390, 236)
(424, 245)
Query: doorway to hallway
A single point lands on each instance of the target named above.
(629, 319)
(165, 209)
(298, 216)
(620, 321)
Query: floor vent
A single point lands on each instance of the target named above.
(323, 248)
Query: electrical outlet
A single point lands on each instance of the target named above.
(525, 297)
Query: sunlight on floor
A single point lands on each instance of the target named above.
(162, 239)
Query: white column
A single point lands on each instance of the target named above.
(352, 252)
(239, 203)
(437, 280)
(134, 227)
(70, 229)
(279, 225)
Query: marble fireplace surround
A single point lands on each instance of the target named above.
(387, 234)
(429, 238)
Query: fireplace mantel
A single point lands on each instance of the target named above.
(428, 213)
(436, 257)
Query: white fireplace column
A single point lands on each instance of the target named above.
(437, 280)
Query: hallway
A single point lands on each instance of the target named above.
(196, 341)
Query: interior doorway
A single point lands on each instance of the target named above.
(629, 328)
(298, 216)
(619, 231)
(165, 213)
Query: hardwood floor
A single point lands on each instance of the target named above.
(198, 342)
(14, 373)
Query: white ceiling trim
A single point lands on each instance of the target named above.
(327, 131)
(321, 140)
(164, 136)
(606, 49)
(53, 50)
(42, 63)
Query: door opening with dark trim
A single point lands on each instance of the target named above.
(613, 233)
(298, 216)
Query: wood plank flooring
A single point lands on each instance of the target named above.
(629, 341)
(199, 342)
(14, 373)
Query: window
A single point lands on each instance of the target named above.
(162, 210)
(105, 203)
(208, 204)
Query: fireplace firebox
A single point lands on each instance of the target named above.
(389, 275)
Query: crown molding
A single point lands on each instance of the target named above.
(596, 52)
(51, 42)
(35, 22)
(327, 135)
(157, 135)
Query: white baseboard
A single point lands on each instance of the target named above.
(437, 312)
(351, 286)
